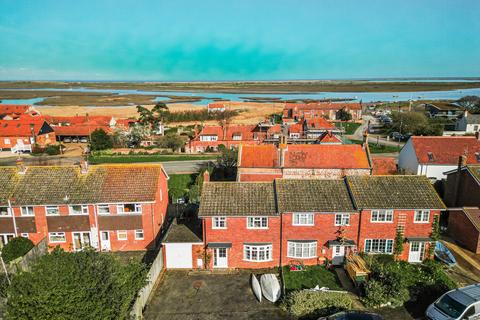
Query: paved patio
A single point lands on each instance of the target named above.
(209, 297)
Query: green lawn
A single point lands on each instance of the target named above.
(312, 276)
(349, 127)
(374, 148)
(146, 158)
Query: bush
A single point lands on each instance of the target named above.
(100, 140)
(52, 150)
(311, 304)
(17, 247)
(75, 285)
(378, 294)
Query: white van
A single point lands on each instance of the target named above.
(462, 303)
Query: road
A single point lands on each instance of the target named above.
(171, 167)
(372, 138)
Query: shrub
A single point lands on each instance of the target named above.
(100, 140)
(17, 247)
(311, 304)
(52, 150)
(378, 294)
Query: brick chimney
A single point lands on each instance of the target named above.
(282, 149)
(206, 176)
(462, 162)
(21, 168)
(83, 167)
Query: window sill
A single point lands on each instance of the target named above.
(314, 257)
(303, 225)
(259, 261)
(250, 228)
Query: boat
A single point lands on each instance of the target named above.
(270, 287)
(444, 255)
(257, 290)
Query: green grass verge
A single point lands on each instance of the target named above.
(179, 184)
(312, 276)
(146, 158)
(349, 127)
(374, 148)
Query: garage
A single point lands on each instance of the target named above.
(181, 243)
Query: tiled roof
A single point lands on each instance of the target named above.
(14, 108)
(78, 129)
(216, 105)
(445, 150)
(237, 198)
(473, 214)
(323, 105)
(384, 166)
(474, 171)
(320, 124)
(17, 128)
(389, 192)
(329, 137)
(65, 184)
(186, 232)
(313, 196)
(245, 130)
(8, 181)
(328, 156)
(295, 128)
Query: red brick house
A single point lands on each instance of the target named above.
(294, 112)
(22, 134)
(462, 186)
(268, 224)
(299, 161)
(107, 207)
(211, 137)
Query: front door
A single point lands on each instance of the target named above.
(220, 259)
(105, 240)
(81, 240)
(338, 255)
(417, 250)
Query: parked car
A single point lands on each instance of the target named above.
(74, 140)
(462, 303)
(83, 140)
(67, 140)
(353, 315)
(397, 136)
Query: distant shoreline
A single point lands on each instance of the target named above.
(257, 87)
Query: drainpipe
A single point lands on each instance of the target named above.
(13, 218)
(99, 236)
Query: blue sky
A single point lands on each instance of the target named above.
(238, 40)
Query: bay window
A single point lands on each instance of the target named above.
(257, 253)
(302, 249)
(379, 246)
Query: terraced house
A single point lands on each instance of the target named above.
(107, 207)
(266, 224)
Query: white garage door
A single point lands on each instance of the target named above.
(179, 255)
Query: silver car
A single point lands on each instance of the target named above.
(462, 303)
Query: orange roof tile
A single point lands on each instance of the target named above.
(245, 130)
(14, 128)
(384, 166)
(320, 124)
(329, 137)
(445, 150)
(306, 156)
(324, 105)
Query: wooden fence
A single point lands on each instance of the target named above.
(24, 263)
(153, 275)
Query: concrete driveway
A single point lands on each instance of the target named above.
(219, 296)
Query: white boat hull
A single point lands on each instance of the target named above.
(270, 287)
(257, 290)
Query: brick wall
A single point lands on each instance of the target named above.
(468, 191)
(463, 231)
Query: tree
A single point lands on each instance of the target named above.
(226, 166)
(119, 138)
(100, 140)
(398, 249)
(80, 285)
(344, 115)
(171, 141)
(416, 123)
(471, 103)
(137, 134)
(153, 118)
(15, 248)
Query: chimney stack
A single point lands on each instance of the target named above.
(21, 168)
(477, 135)
(83, 167)
(206, 176)
(462, 162)
(282, 146)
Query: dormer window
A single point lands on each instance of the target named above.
(431, 158)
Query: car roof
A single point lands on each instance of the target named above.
(466, 295)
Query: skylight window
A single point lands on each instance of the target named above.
(430, 157)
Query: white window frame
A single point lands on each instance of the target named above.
(4, 237)
(420, 215)
(237, 137)
(138, 237)
(83, 209)
(7, 141)
(257, 250)
(302, 249)
(9, 213)
(24, 235)
(24, 211)
(378, 244)
(99, 206)
(217, 220)
(263, 222)
(344, 219)
(377, 214)
(57, 234)
(297, 218)
(137, 208)
(47, 208)
(120, 234)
